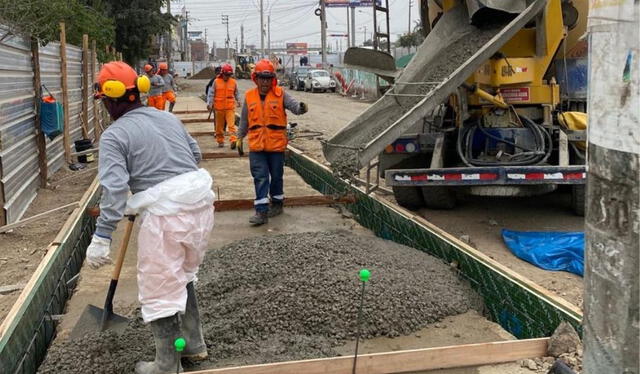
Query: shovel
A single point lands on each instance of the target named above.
(96, 319)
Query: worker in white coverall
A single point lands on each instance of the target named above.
(150, 153)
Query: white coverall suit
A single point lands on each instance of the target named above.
(150, 153)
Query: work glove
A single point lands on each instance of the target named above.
(98, 252)
(239, 146)
(303, 108)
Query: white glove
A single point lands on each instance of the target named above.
(98, 252)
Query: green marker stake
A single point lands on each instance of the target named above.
(179, 345)
(364, 278)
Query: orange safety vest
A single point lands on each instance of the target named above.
(267, 121)
(224, 98)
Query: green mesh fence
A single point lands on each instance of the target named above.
(24, 344)
(519, 310)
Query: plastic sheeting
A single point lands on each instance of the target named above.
(559, 251)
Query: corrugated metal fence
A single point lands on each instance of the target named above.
(21, 162)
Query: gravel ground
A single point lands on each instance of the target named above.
(291, 296)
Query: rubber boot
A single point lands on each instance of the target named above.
(196, 348)
(276, 209)
(233, 145)
(165, 332)
(220, 145)
(260, 218)
(171, 105)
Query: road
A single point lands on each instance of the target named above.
(479, 219)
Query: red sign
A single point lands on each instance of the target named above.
(515, 95)
(297, 48)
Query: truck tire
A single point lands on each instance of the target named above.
(408, 197)
(578, 194)
(438, 197)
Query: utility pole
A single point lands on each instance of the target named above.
(269, 35)
(262, 27)
(227, 41)
(323, 28)
(365, 36)
(348, 30)
(410, 5)
(169, 39)
(612, 223)
(241, 38)
(353, 26)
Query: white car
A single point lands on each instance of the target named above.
(319, 80)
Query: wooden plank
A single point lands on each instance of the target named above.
(403, 361)
(202, 133)
(195, 120)
(216, 155)
(246, 204)
(37, 88)
(85, 86)
(65, 93)
(36, 217)
(97, 130)
(499, 268)
(190, 111)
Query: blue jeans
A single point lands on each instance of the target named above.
(267, 170)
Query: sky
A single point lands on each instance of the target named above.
(291, 20)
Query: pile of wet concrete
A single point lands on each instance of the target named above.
(293, 296)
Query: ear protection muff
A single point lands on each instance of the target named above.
(116, 89)
(143, 83)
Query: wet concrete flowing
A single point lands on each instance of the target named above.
(290, 296)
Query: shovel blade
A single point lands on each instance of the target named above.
(91, 321)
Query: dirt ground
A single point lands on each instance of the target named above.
(21, 249)
(481, 219)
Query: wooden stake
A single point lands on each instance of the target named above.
(65, 93)
(96, 122)
(85, 86)
(403, 361)
(37, 88)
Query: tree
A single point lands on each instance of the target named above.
(41, 19)
(413, 39)
(137, 21)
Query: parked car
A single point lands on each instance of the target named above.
(297, 77)
(319, 80)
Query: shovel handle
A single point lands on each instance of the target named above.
(107, 311)
(123, 248)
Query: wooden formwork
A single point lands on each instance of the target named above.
(29, 328)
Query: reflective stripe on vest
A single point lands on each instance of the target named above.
(225, 99)
(267, 121)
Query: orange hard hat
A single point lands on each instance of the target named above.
(264, 68)
(118, 71)
(163, 66)
(148, 68)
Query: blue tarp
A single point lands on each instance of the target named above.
(548, 250)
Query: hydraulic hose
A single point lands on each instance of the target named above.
(538, 155)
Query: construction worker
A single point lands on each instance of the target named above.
(169, 86)
(150, 153)
(264, 121)
(155, 98)
(223, 98)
